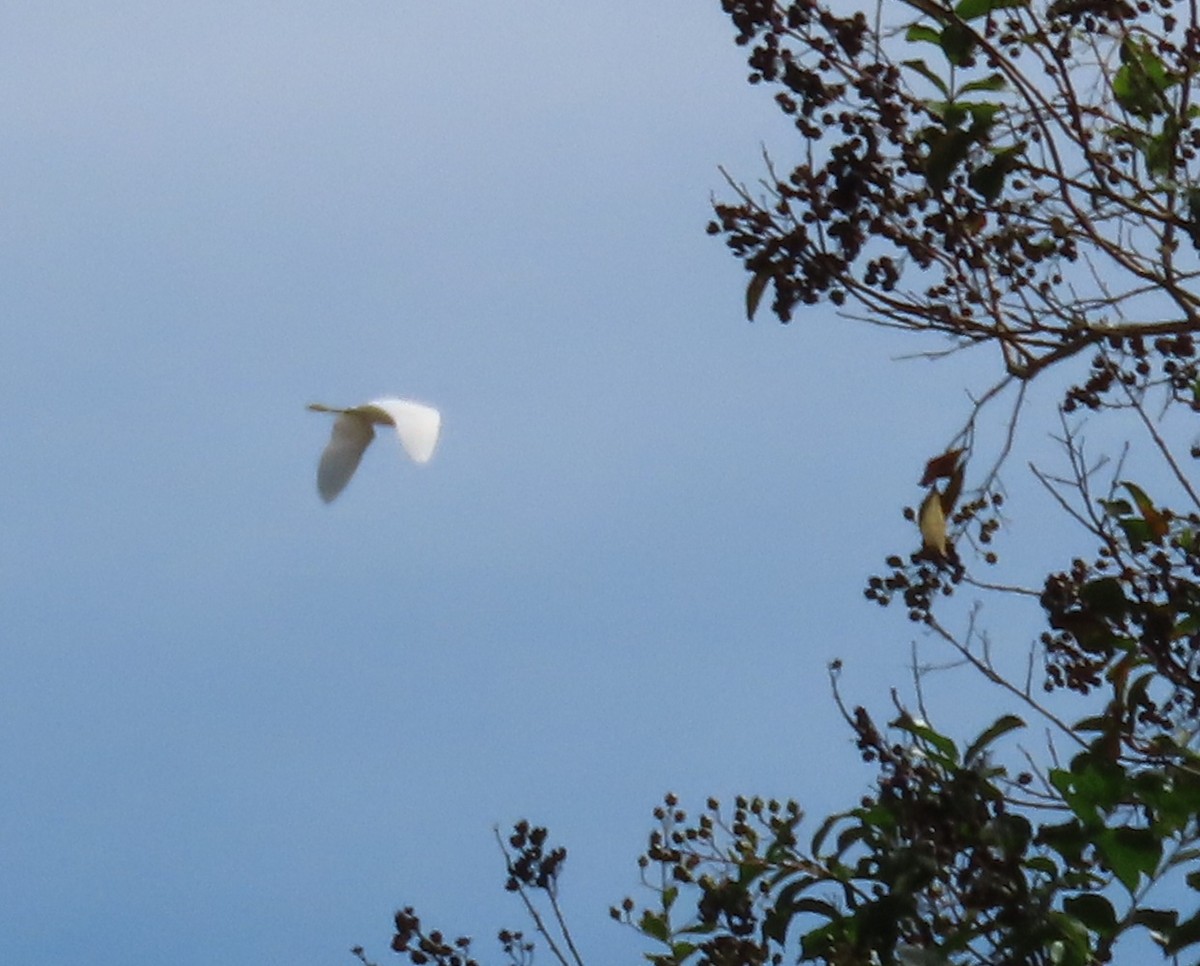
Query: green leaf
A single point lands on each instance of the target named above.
(947, 751)
(921, 33)
(814, 944)
(1105, 597)
(788, 904)
(1130, 853)
(848, 837)
(1094, 635)
(1139, 84)
(1073, 945)
(946, 152)
(1185, 785)
(1042, 863)
(1097, 723)
(993, 82)
(974, 9)
(1160, 920)
(681, 951)
(1068, 839)
(1160, 151)
(1137, 533)
(1144, 503)
(823, 831)
(1152, 67)
(1154, 519)
(1098, 781)
(923, 69)
(1011, 832)
(1118, 508)
(1183, 935)
(1131, 95)
(818, 907)
(958, 43)
(983, 118)
(1094, 784)
(1001, 727)
(1138, 691)
(1094, 911)
(952, 114)
(988, 179)
(655, 927)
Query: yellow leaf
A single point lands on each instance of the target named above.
(931, 519)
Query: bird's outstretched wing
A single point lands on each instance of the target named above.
(351, 436)
(417, 425)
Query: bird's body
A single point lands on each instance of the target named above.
(417, 425)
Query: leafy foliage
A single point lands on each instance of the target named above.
(996, 184)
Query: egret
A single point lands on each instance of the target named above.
(416, 424)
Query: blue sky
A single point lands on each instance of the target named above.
(240, 726)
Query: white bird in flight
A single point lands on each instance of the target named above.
(417, 426)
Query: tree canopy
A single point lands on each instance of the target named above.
(1018, 178)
